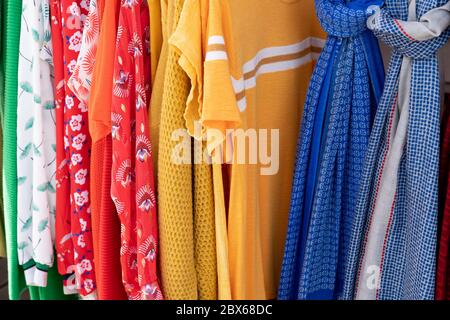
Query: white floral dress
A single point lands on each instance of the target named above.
(36, 135)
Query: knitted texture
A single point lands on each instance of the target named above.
(176, 225)
(2, 226)
(204, 230)
(2, 221)
(96, 164)
(11, 55)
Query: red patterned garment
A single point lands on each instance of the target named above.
(132, 169)
(443, 265)
(73, 221)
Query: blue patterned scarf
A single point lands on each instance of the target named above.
(343, 94)
(393, 241)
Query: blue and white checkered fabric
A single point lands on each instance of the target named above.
(408, 268)
(342, 97)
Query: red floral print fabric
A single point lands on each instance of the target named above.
(73, 221)
(132, 187)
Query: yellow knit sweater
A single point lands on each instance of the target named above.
(185, 196)
(204, 230)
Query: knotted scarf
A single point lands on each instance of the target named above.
(343, 94)
(393, 243)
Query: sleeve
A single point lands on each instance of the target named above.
(211, 104)
(188, 42)
(203, 41)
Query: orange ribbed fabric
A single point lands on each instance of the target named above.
(95, 176)
(95, 192)
(110, 273)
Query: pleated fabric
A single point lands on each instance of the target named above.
(2, 84)
(111, 287)
(96, 166)
(343, 94)
(392, 251)
(443, 263)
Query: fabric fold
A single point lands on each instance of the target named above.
(342, 97)
(132, 187)
(74, 243)
(36, 131)
(176, 222)
(393, 243)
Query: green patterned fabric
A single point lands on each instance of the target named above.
(2, 221)
(11, 32)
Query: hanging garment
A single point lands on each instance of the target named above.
(12, 10)
(80, 84)
(178, 274)
(340, 104)
(257, 74)
(132, 189)
(36, 137)
(211, 260)
(73, 221)
(443, 263)
(393, 243)
(205, 252)
(2, 86)
(9, 53)
(106, 223)
(11, 13)
(195, 246)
